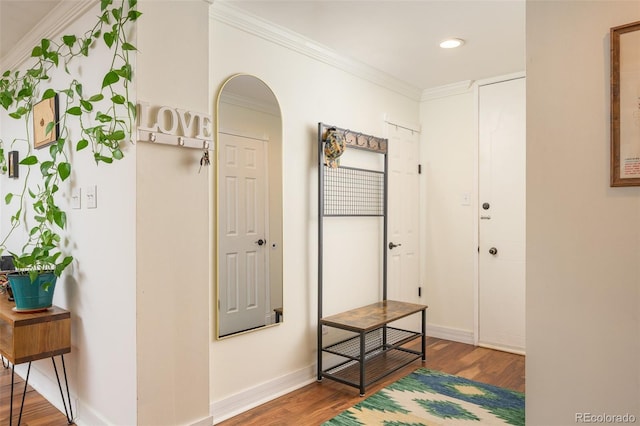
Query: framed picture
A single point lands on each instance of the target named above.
(45, 122)
(625, 105)
(12, 161)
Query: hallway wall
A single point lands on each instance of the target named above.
(583, 237)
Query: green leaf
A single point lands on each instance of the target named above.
(116, 14)
(49, 93)
(103, 118)
(29, 161)
(74, 111)
(53, 57)
(134, 14)
(104, 4)
(64, 170)
(128, 46)
(117, 154)
(88, 106)
(118, 99)
(82, 144)
(133, 111)
(45, 166)
(96, 98)
(117, 135)
(69, 40)
(108, 39)
(125, 72)
(49, 127)
(79, 89)
(102, 158)
(62, 265)
(8, 198)
(60, 218)
(132, 3)
(110, 78)
(34, 72)
(85, 47)
(45, 43)
(37, 51)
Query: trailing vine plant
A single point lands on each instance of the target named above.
(106, 120)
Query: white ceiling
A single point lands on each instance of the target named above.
(18, 17)
(397, 37)
(402, 38)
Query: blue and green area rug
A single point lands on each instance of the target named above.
(429, 397)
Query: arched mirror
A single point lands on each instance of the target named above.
(249, 207)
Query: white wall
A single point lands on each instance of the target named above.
(173, 222)
(583, 237)
(308, 91)
(99, 288)
(447, 228)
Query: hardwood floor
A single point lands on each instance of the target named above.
(317, 402)
(37, 410)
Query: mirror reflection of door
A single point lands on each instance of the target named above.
(249, 207)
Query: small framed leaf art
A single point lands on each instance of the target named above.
(45, 122)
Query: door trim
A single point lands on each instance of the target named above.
(476, 190)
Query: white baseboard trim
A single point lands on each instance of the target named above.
(231, 406)
(207, 421)
(449, 333)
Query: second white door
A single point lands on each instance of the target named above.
(502, 176)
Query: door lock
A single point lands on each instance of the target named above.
(261, 242)
(493, 251)
(392, 246)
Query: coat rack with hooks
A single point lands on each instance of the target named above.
(373, 345)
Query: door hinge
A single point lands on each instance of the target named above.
(419, 169)
(419, 291)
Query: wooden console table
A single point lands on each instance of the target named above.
(378, 349)
(27, 337)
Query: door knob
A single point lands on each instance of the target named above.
(392, 246)
(261, 242)
(493, 251)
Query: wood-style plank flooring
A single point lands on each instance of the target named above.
(37, 410)
(317, 402)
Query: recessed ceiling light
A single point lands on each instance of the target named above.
(451, 43)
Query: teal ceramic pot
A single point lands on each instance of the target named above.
(32, 296)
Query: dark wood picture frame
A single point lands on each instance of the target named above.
(625, 105)
(44, 113)
(12, 160)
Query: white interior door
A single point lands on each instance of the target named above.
(403, 250)
(501, 209)
(242, 243)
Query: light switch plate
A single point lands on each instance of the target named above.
(76, 198)
(91, 195)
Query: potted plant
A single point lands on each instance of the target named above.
(105, 120)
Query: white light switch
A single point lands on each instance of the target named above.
(76, 198)
(91, 194)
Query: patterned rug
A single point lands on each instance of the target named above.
(429, 397)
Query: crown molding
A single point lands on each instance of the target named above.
(63, 15)
(459, 88)
(236, 17)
